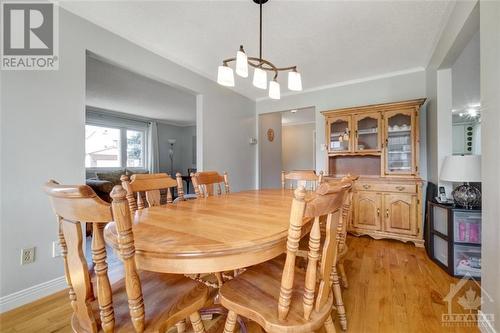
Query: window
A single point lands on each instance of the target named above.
(135, 149)
(110, 147)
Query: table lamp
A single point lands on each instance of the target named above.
(463, 168)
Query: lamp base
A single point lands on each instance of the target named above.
(467, 196)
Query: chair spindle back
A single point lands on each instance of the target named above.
(72, 205)
(326, 201)
(206, 183)
(307, 178)
(148, 186)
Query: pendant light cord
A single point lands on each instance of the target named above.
(260, 31)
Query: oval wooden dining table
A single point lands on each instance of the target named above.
(214, 234)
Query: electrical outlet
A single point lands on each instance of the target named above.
(56, 249)
(27, 256)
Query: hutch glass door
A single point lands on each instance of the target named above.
(400, 149)
(340, 134)
(367, 132)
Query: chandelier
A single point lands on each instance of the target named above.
(225, 75)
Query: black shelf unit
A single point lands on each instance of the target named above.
(455, 239)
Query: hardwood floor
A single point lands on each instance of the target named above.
(393, 287)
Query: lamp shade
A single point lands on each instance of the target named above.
(260, 78)
(241, 64)
(225, 76)
(294, 81)
(461, 168)
(274, 90)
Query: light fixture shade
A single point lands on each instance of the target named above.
(260, 78)
(461, 168)
(241, 64)
(274, 90)
(294, 81)
(225, 76)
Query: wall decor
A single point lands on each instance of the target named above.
(270, 135)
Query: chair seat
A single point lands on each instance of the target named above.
(167, 299)
(255, 294)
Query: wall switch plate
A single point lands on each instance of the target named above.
(27, 255)
(56, 249)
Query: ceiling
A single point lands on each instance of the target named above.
(330, 41)
(299, 116)
(116, 89)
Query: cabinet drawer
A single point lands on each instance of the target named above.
(379, 187)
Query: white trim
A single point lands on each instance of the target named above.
(487, 326)
(32, 294)
(299, 123)
(350, 82)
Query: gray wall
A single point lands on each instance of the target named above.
(490, 104)
(389, 89)
(458, 31)
(270, 152)
(42, 133)
(298, 147)
(465, 73)
(183, 148)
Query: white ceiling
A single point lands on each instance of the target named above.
(300, 116)
(330, 41)
(116, 89)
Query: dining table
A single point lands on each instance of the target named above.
(212, 234)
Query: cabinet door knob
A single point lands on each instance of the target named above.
(366, 186)
(378, 211)
(400, 188)
(387, 213)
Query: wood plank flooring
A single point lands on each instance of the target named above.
(393, 287)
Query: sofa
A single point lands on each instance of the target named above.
(102, 182)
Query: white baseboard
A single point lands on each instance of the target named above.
(32, 294)
(485, 325)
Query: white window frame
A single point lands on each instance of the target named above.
(123, 146)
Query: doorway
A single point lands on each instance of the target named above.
(287, 141)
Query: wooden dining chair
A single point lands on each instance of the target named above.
(140, 301)
(145, 189)
(343, 225)
(207, 183)
(338, 270)
(280, 297)
(307, 178)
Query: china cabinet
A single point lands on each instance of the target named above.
(380, 143)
